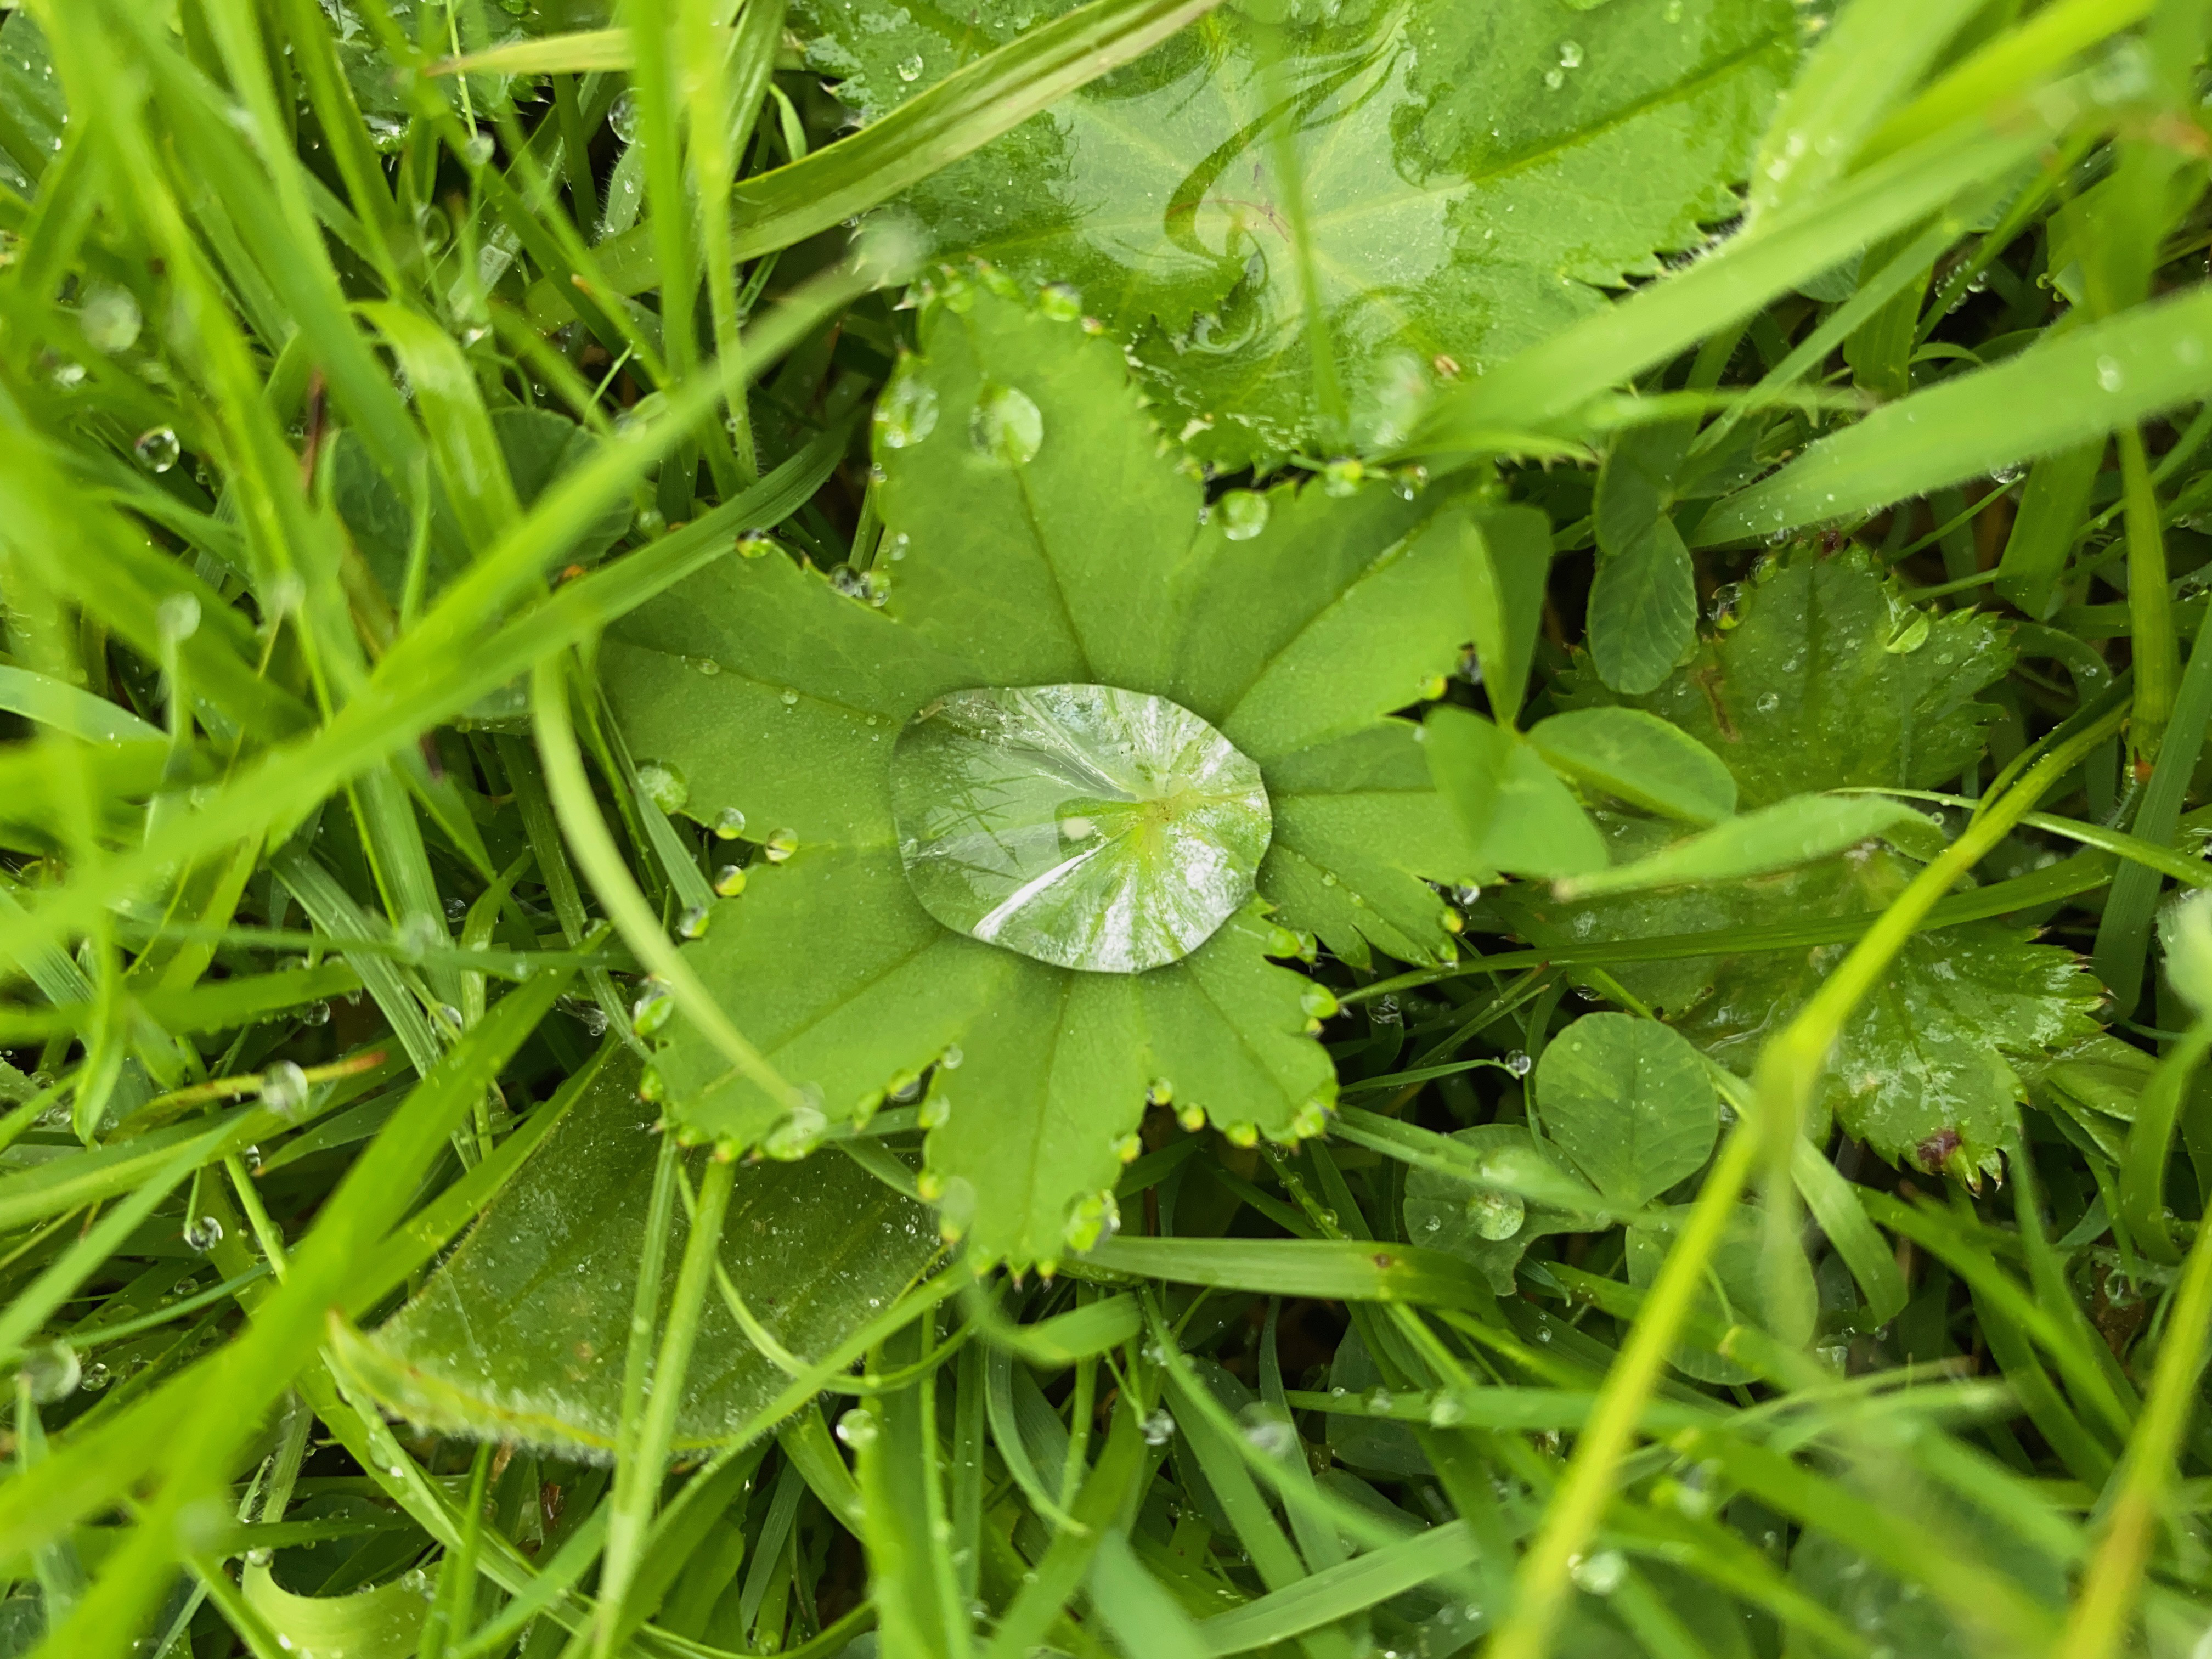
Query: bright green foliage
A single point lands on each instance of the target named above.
(1804, 692)
(1034, 538)
(1820, 677)
(1630, 1102)
(1640, 759)
(1926, 1072)
(1458, 182)
(519, 1336)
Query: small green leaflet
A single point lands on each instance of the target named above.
(521, 1335)
(1471, 178)
(1037, 538)
(1630, 1101)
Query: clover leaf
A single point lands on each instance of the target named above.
(1823, 677)
(1037, 796)
(1469, 179)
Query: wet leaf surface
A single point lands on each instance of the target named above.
(521, 1334)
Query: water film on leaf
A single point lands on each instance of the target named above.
(1084, 825)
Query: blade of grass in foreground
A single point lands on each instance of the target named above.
(2058, 393)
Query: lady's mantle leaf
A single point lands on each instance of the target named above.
(1083, 825)
(521, 1335)
(1037, 537)
(1471, 176)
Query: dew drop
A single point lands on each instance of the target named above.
(909, 67)
(655, 1007)
(1570, 54)
(1244, 514)
(906, 413)
(624, 117)
(284, 1088)
(52, 1372)
(857, 1428)
(664, 785)
(2111, 377)
(1005, 425)
(110, 319)
(203, 1234)
(730, 880)
(780, 846)
(729, 823)
(1495, 1215)
(1159, 1427)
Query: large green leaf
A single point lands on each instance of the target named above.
(1037, 538)
(521, 1335)
(1821, 677)
(1467, 180)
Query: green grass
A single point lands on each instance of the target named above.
(1695, 1142)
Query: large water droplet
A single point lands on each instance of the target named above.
(909, 67)
(1006, 426)
(52, 1372)
(1082, 825)
(284, 1088)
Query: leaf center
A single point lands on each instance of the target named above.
(1086, 826)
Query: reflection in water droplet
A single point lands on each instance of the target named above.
(730, 880)
(157, 449)
(909, 67)
(857, 1428)
(1570, 54)
(1081, 825)
(1006, 426)
(623, 117)
(780, 846)
(729, 823)
(906, 413)
(1244, 514)
(203, 1234)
